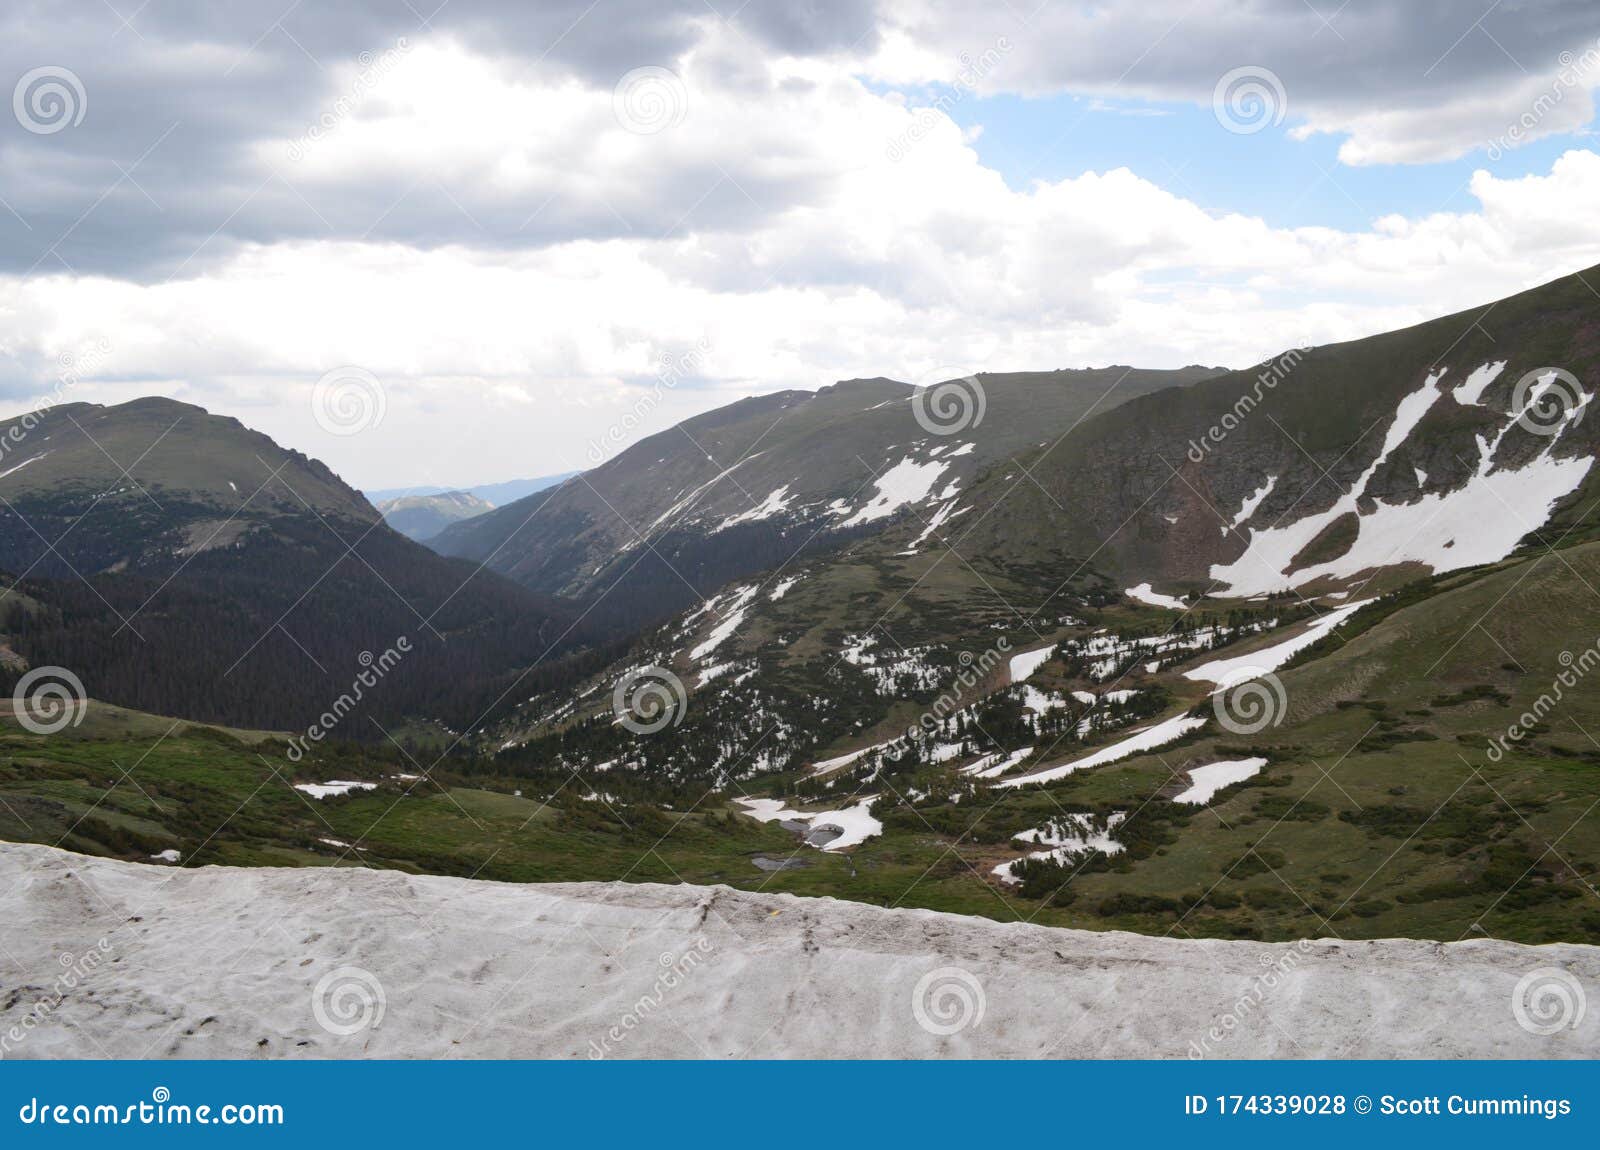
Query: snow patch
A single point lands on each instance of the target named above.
(1271, 658)
(906, 482)
(1074, 835)
(1479, 522)
(776, 502)
(1144, 593)
(1208, 780)
(996, 763)
(1023, 666)
(24, 463)
(854, 824)
(1145, 739)
(1470, 390)
(827, 766)
(732, 617)
(1041, 702)
(935, 521)
(1251, 503)
(333, 789)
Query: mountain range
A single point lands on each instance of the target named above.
(746, 487)
(421, 517)
(1106, 647)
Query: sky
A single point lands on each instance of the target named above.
(451, 244)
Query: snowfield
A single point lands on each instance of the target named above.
(906, 482)
(226, 963)
(1479, 522)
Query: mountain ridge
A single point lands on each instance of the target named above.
(748, 485)
(182, 563)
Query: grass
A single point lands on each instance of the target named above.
(1380, 814)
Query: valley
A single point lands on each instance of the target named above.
(1328, 680)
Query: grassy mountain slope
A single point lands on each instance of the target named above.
(747, 486)
(1151, 491)
(1380, 813)
(1117, 501)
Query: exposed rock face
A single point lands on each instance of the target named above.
(225, 962)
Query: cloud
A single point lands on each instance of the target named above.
(183, 151)
(458, 205)
(1423, 81)
(885, 266)
(491, 124)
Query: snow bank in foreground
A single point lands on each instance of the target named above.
(225, 963)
